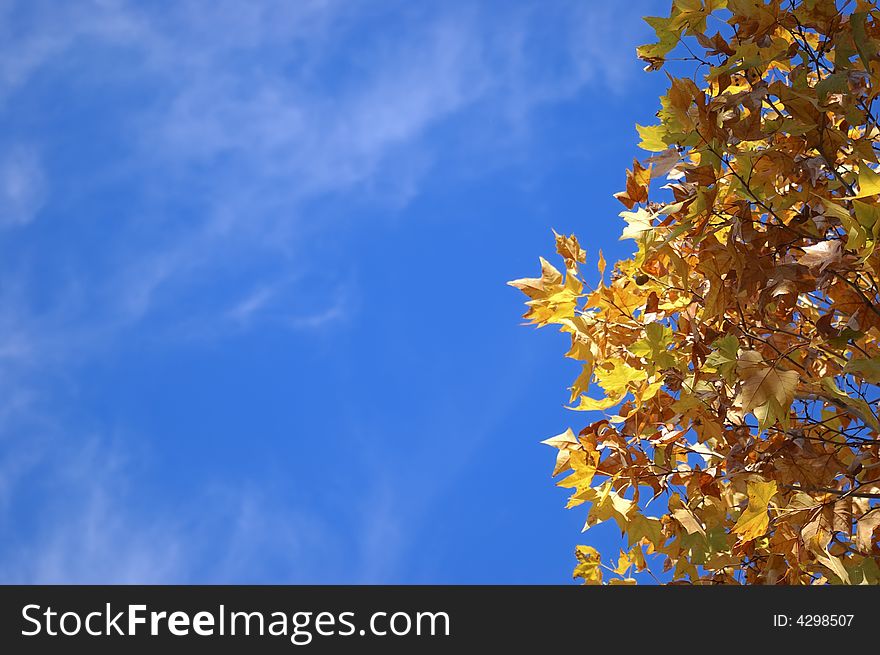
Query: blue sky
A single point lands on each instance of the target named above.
(253, 317)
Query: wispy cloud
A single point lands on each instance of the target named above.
(251, 120)
(258, 108)
(245, 309)
(96, 526)
(22, 185)
(319, 319)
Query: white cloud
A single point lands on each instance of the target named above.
(254, 113)
(94, 522)
(244, 310)
(258, 108)
(22, 185)
(320, 318)
(37, 33)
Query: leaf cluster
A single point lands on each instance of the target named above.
(735, 356)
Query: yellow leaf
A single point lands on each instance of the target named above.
(648, 391)
(869, 182)
(588, 404)
(553, 298)
(608, 504)
(569, 248)
(623, 563)
(564, 443)
(637, 223)
(582, 382)
(753, 522)
(766, 391)
(536, 287)
(564, 440)
(616, 380)
(652, 137)
(589, 565)
(584, 467)
(648, 528)
(833, 563)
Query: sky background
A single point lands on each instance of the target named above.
(254, 326)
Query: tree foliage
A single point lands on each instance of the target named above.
(735, 357)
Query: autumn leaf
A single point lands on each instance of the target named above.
(653, 137)
(583, 465)
(688, 521)
(589, 565)
(569, 248)
(723, 358)
(766, 390)
(606, 504)
(663, 162)
(822, 255)
(624, 563)
(638, 222)
(581, 382)
(834, 564)
(754, 520)
(866, 526)
(654, 345)
(668, 31)
(553, 298)
(587, 404)
(869, 182)
(868, 369)
(637, 181)
(616, 377)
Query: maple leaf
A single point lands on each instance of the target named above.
(688, 521)
(589, 565)
(663, 162)
(605, 504)
(538, 287)
(668, 31)
(654, 346)
(866, 526)
(869, 182)
(587, 404)
(867, 369)
(583, 467)
(638, 222)
(724, 358)
(624, 563)
(753, 522)
(766, 390)
(637, 181)
(552, 299)
(616, 376)
(653, 137)
(570, 249)
(822, 255)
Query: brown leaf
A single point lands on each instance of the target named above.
(825, 254)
